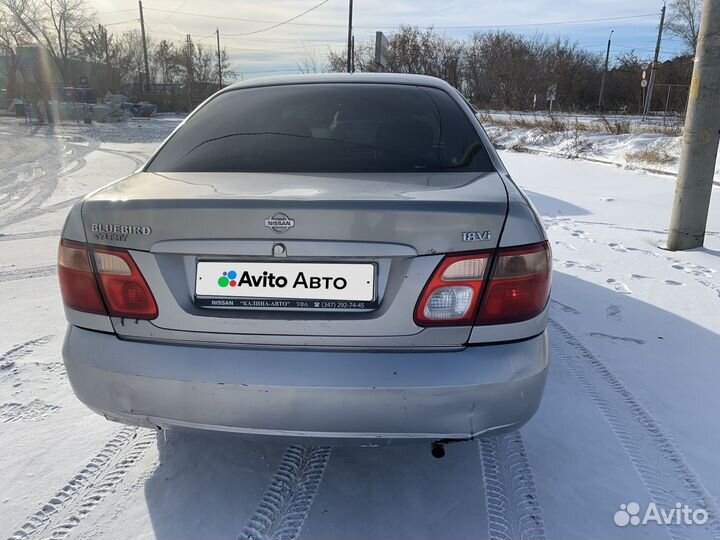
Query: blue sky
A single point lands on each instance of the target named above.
(277, 50)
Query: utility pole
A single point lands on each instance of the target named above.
(145, 56)
(102, 32)
(349, 43)
(700, 138)
(189, 68)
(601, 103)
(352, 62)
(653, 69)
(667, 101)
(217, 33)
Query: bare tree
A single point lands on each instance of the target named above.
(108, 55)
(132, 50)
(495, 69)
(500, 70)
(169, 61)
(448, 60)
(308, 60)
(12, 36)
(364, 59)
(204, 63)
(53, 24)
(228, 75)
(410, 50)
(684, 21)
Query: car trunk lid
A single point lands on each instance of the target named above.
(402, 223)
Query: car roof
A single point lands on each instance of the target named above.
(387, 78)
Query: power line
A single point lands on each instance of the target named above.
(275, 24)
(283, 22)
(206, 37)
(371, 26)
(300, 42)
(122, 22)
(115, 11)
(290, 21)
(338, 41)
(176, 33)
(182, 5)
(275, 49)
(554, 23)
(214, 17)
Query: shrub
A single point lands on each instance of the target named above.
(653, 155)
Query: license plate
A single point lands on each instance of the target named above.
(261, 285)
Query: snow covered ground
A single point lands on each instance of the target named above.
(653, 145)
(630, 412)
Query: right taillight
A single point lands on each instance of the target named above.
(519, 286)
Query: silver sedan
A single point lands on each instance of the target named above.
(336, 257)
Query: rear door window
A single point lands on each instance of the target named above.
(326, 128)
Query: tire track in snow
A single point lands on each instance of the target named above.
(660, 464)
(33, 192)
(284, 507)
(28, 273)
(14, 411)
(29, 235)
(139, 162)
(8, 358)
(86, 489)
(39, 187)
(37, 409)
(513, 508)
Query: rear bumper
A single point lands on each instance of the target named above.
(311, 394)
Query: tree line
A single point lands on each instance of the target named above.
(507, 71)
(70, 43)
(495, 70)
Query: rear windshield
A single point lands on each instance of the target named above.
(326, 128)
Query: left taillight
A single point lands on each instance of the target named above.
(113, 287)
(78, 286)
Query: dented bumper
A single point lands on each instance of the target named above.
(312, 394)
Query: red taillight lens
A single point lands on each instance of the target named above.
(77, 282)
(125, 291)
(519, 286)
(451, 297)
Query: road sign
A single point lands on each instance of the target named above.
(381, 49)
(643, 83)
(551, 94)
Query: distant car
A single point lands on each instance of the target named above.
(324, 257)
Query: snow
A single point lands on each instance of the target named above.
(629, 414)
(586, 137)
